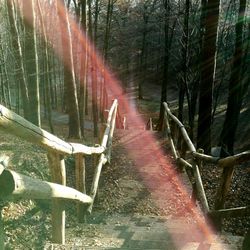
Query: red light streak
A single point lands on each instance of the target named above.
(143, 155)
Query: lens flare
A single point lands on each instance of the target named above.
(141, 146)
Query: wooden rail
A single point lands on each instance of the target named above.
(24, 129)
(14, 185)
(181, 146)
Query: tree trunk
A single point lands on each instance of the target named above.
(69, 77)
(207, 75)
(166, 65)
(83, 67)
(31, 64)
(235, 87)
(184, 75)
(16, 42)
(47, 104)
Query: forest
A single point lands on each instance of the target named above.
(198, 48)
(73, 58)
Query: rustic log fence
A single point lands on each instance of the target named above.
(14, 185)
(191, 160)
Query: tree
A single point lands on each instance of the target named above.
(69, 75)
(82, 15)
(19, 54)
(184, 71)
(31, 63)
(165, 80)
(235, 88)
(207, 75)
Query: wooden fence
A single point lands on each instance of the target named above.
(191, 160)
(14, 185)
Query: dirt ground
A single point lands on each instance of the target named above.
(27, 222)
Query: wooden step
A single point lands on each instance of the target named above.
(142, 232)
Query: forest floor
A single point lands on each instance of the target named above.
(122, 190)
(239, 194)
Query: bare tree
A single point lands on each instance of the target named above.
(207, 74)
(235, 86)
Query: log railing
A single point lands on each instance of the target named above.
(14, 185)
(190, 159)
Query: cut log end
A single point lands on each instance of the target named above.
(7, 184)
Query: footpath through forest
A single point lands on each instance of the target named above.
(143, 203)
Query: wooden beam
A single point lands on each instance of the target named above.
(110, 139)
(181, 127)
(170, 136)
(14, 185)
(58, 173)
(24, 129)
(231, 212)
(204, 157)
(1, 231)
(200, 189)
(80, 185)
(108, 124)
(94, 186)
(184, 163)
(234, 159)
(225, 182)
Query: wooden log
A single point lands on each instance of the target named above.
(173, 130)
(223, 188)
(199, 161)
(204, 157)
(221, 194)
(184, 163)
(110, 138)
(1, 168)
(234, 160)
(200, 189)
(102, 159)
(1, 230)
(14, 185)
(4, 160)
(58, 172)
(181, 127)
(197, 176)
(107, 130)
(94, 186)
(24, 129)
(231, 212)
(169, 134)
(80, 185)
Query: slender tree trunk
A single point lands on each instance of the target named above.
(207, 75)
(184, 76)
(47, 106)
(235, 87)
(31, 65)
(143, 54)
(166, 64)
(195, 88)
(16, 42)
(96, 17)
(83, 67)
(108, 28)
(69, 78)
(93, 70)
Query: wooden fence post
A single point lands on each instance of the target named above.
(170, 135)
(111, 132)
(57, 167)
(1, 230)
(222, 192)
(80, 185)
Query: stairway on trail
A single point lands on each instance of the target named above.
(152, 209)
(178, 225)
(119, 231)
